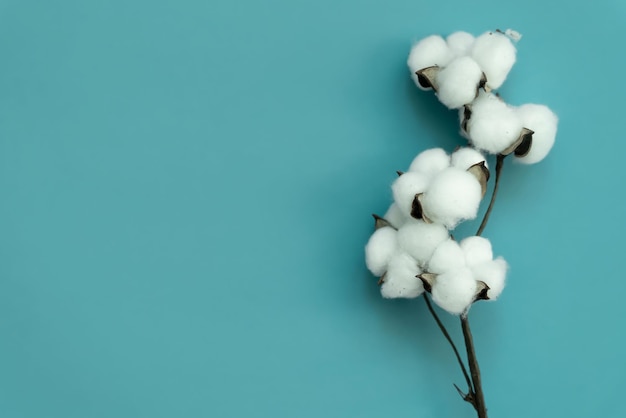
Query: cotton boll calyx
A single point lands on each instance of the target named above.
(447, 256)
(419, 239)
(460, 43)
(395, 216)
(455, 290)
(379, 249)
(495, 53)
(493, 125)
(453, 196)
(405, 188)
(458, 83)
(428, 52)
(476, 250)
(543, 122)
(493, 273)
(430, 162)
(401, 278)
(466, 157)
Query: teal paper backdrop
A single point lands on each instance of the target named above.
(186, 189)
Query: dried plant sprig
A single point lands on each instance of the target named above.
(412, 251)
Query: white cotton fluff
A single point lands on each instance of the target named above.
(400, 280)
(405, 188)
(395, 216)
(495, 53)
(460, 43)
(379, 249)
(453, 196)
(494, 125)
(428, 52)
(476, 250)
(458, 82)
(543, 122)
(513, 34)
(448, 256)
(492, 272)
(455, 290)
(430, 162)
(466, 157)
(419, 239)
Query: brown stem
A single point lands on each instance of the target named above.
(469, 397)
(479, 398)
(499, 164)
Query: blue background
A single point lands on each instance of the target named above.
(186, 189)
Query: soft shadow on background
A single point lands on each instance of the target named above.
(187, 188)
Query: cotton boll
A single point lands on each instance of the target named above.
(543, 122)
(395, 216)
(448, 256)
(455, 290)
(430, 162)
(493, 125)
(381, 246)
(405, 188)
(460, 43)
(458, 82)
(477, 250)
(428, 52)
(400, 280)
(466, 157)
(495, 53)
(493, 273)
(453, 195)
(419, 239)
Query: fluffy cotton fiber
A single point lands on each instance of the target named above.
(477, 250)
(400, 280)
(493, 125)
(458, 82)
(430, 162)
(543, 122)
(495, 54)
(405, 188)
(395, 216)
(466, 157)
(454, 291)
(453, 196)
(447, 256)
(379, 250)
(460, 43)
(419, 239)
(428, 52)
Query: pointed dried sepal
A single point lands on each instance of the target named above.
(527, 141)
(382, 279)
(481, 172)
(399, 173)
(481, 291)
(427, 77)
(416, 208)
(428, 279)
(482, 84)
(380, 222)
(525, 137)
(467, 114)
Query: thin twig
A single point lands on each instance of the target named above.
(499, 164)
(469, 397)
(479, 398)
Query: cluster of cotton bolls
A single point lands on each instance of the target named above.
(412, 248)
(463, 71)
(440, 188)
